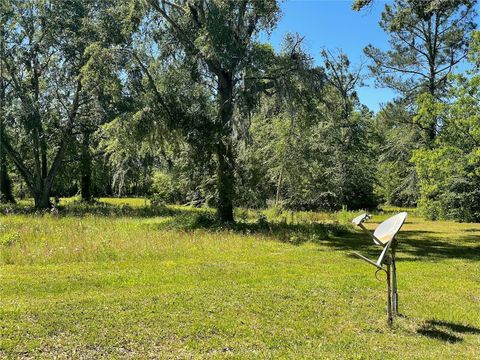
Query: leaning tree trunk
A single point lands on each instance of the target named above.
(224, 151)
(6, 194)
(86, 169)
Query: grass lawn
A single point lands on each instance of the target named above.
(130, 282)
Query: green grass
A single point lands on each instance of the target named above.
(137, 282)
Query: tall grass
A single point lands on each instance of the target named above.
(121, 279)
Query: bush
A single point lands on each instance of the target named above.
(461, 201)
(165, 191)
(449, 187)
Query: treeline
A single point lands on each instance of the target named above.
(182, 102)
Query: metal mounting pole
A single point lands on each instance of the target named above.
(394, 284)
(385, 235)
(389, 297)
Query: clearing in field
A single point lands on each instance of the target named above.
(133, 281)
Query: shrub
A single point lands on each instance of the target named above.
(165, 190)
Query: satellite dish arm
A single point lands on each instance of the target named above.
(375, 240)
(379, 267)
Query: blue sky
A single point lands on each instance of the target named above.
(332, 24)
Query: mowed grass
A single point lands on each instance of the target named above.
(173, 284)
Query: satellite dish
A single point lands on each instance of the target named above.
(384, 235)
(360, 219)
(387, 230)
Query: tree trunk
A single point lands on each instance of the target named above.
(42, 197)
(279, 185)
(224, 151)
(284, 154)
(6, 194)
(86, 169)
(432, 89)
(225, 183)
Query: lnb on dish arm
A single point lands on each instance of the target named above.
(359, 220)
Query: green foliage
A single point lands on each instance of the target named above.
(48, 64)
(449, 175)
(207, 76)
(174, 101)
(427, 38)
(398, 137)
(309, 152)
(360, 4)
(437, 170)
(164, 188)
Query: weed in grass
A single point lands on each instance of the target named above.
(9, 238)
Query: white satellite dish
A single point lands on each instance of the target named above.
(385, 236)
(360, 219)
(387, 230)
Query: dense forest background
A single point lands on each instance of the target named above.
(180, 101)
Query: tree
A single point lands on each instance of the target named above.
(427, 39)
(101, 81)
(397, 180)
(360, 4)
(214, 44)
(312, 149)
(343, 79)
(347, 131)
(449, 173)
(275, 151)
(6, 194)
(47, 44)
(42, 63)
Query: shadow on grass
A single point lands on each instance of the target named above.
(294, 234)
(413, 245)
(423, 245)
(446, 331)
